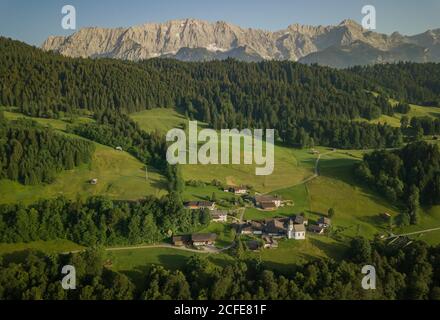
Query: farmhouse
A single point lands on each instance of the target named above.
(195, 205)
(324, 222)
(275, 228)
(268, 206)
(268, 201)
(203, 239)
(270, 243)
(252, 227)
(316, 229)
(219, 216)
(237, 190)
(299, 219)
(180, 240)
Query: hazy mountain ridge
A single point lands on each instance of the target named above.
(198, 40)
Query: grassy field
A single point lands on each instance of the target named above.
(49, 247)
(287, 170)
(204, 193)
(120, 176)
(429, 218)
(135, 263)
(294, 252)
(159, 119)
(416, 111)
(357, 208)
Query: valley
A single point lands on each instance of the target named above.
(84, 177)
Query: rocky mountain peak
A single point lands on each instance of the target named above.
(221, 39)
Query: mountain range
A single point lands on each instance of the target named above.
(343, 45)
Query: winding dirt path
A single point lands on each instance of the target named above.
(316, 171)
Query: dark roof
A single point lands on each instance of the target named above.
(267, 198)
(252, 226)
(275, 226)
(268, 205)
(237, 188)
(199, 204)
(299, 219)
(183, 238)
(205, 203)
(315, 228)
(203, 237)
(324, 220)
(256, 225)
(252, 244)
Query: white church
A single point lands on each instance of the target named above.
(296, 231)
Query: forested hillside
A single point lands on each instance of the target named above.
(417, 83)
(408, 273)
(225, 94)
(32, 154)
(411, 175)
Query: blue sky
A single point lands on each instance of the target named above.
(32, 21)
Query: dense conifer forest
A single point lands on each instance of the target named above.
(32, 154)
(411, 82)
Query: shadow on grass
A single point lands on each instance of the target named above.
(138, 274)
(334, 250)
(434, 114)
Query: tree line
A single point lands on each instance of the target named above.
(32, 154)
(417, 83)
(342, 134)
(100, 221)
(409, 176)
(425, 125)
(115, 129)
(408, 273)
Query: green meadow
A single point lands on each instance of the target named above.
(291, 253)
(136, 262)
(120, 176)
(287, 170)
(48, 247)
(416, 111)
(160, 119)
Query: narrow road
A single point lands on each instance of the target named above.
(412, 233)
(208, 249)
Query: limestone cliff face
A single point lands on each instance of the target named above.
(220, 40)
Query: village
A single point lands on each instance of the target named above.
(259, 234)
